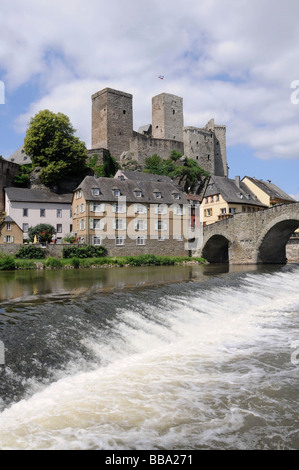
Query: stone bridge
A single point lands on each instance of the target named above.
(251, 238)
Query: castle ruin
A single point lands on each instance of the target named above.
(112, 130)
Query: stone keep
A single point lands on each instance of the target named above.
(167, 117)
(112, 121)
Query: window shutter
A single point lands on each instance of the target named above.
(114, 207)
(4, 239)
(156, 225)
(165, 225)
(91, 223)
(12, 239)
(145, 225)
(114, 224)
(102, 209)
(102, 224)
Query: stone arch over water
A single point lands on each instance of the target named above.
(216, 249)
(272, 243)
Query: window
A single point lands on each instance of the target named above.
(138, 193)
(223, 211)
(140, 224)
(78, 194)
(8, 239)
(217, 197)
(161, 239)
(212, 199)
(140, 241)
(139, 209)
(82, 208)
(97, 240)
(119, 208)
(95, 191)
(59, 213)
(232, 210)
(208, 212)
(116, 192)
(42, 213)
(25, 228)
(59, 228)
(25, 212)
(119, 241)
(94, 207)
(207, 200)
(158, 194)
(119, 224)
(8, 226)
(82, 224)
(176, 196)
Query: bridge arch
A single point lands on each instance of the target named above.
(272, 242)
(216, 249)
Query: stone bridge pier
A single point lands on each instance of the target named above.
(251, 238)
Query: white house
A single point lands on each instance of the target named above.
(30, 207)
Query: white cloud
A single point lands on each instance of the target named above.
(233, 61)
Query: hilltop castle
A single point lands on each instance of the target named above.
(112, 130)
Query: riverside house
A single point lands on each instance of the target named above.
(30, 207)
(10, 232)
(225, 197)
(131, 217)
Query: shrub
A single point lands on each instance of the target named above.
(43, 233)
(75, 262)
(7, 262)
(54, 262)
(84, 251)
(30, 252)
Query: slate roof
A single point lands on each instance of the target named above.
(140, 176)
(231, 192)
(271, 189)
(37, 195)
(20, 157)
(127, 188)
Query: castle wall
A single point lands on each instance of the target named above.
(167, 117)
(142, 146)
(112, 121)
(199, 145)
(8, 171)
(220, 151)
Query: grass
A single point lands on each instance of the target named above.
(141, 260)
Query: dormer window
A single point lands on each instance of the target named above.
(138, 193)
(95, 191)
(158, 194)
(176, 195)
(116, 192)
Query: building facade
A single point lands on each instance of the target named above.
(131, 216)
(10, 232)
(225, 197)
(30, 207)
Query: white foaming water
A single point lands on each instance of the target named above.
(212, 370)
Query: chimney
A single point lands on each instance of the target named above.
(237, 181)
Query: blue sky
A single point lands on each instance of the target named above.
(231, 60)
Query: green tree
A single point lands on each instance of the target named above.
(51, 144)
(189, 170)
(43, 232)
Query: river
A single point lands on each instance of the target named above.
(185, 357)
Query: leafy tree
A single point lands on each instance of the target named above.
(51, 144)
(43, 232)
(189, 170)
(23, 176)
(107, 169)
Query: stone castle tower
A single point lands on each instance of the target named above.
(112, 130)
(112, 121)
(167, 117)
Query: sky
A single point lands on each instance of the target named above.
(232, 60)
